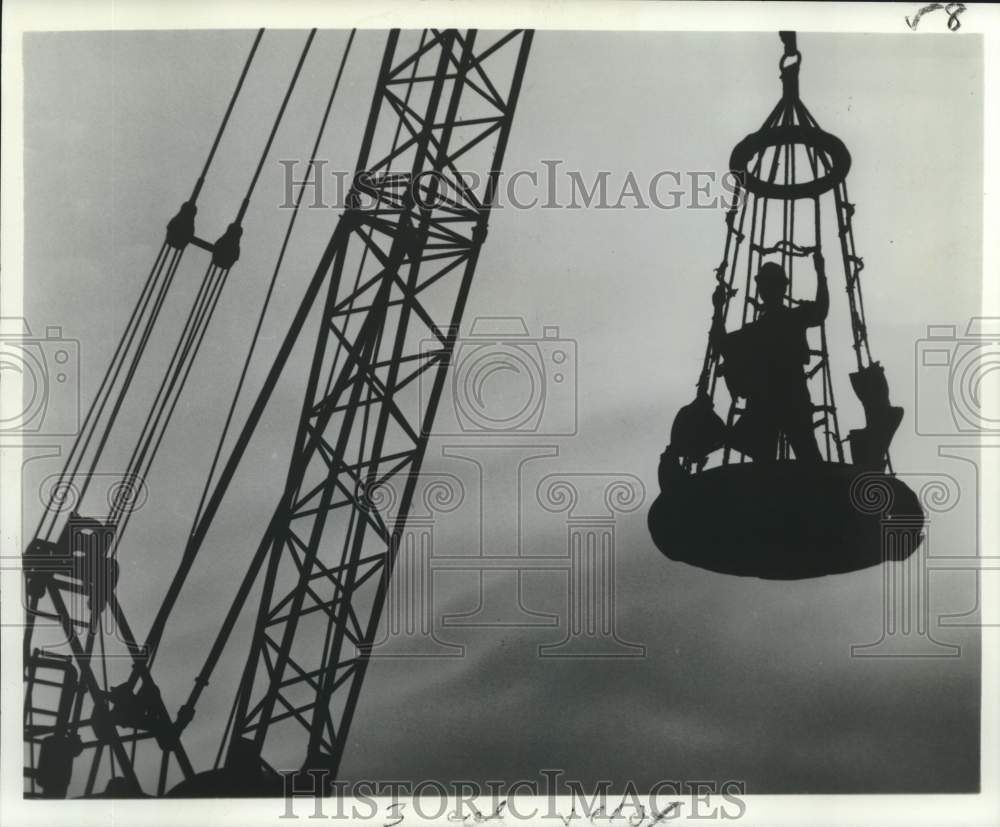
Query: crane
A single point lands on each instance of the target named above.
(391, 287)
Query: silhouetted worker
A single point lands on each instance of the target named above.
(764, 363)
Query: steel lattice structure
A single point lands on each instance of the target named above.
(395, 277)
(364, 421)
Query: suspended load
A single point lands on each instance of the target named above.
(768, 491)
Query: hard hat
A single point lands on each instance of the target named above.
(771, 273)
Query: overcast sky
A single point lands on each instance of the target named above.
(741, 679)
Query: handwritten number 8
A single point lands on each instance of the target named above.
(953, 10)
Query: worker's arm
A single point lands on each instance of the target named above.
(814, 313)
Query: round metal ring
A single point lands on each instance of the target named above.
(839, 160)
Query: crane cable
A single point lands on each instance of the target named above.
(274, 278)
(202, 678)
(167, 261)
(815, 159)
(191, 549)
(152, 292)
(791, 106)
(183, 358)
(196, 326)
(225, 118)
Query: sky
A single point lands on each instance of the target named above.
(740, 679)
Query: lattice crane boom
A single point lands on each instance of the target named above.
(364, 423)
(393, 282)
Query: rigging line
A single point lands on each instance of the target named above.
(332, 256)
(857, 332)
(158, 263)
(334, 362)
(166, 608)
(191, 320)
(179, 381)
(711, 357)
(815, 158)
(750, 298)
(274, 127)
(225, 735)
(185, 352)
(125, 511)
(212, 507)
(107, 382)
(806, 116)
(78, 452)
(788, 222)
(709, 374)
(193, 198)
(171, 270)
(751, 302)
(274, 277)
(177, 359)
(130, 375)
(854, 255)
(774, 115)
(194, 346)
(225, 118)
